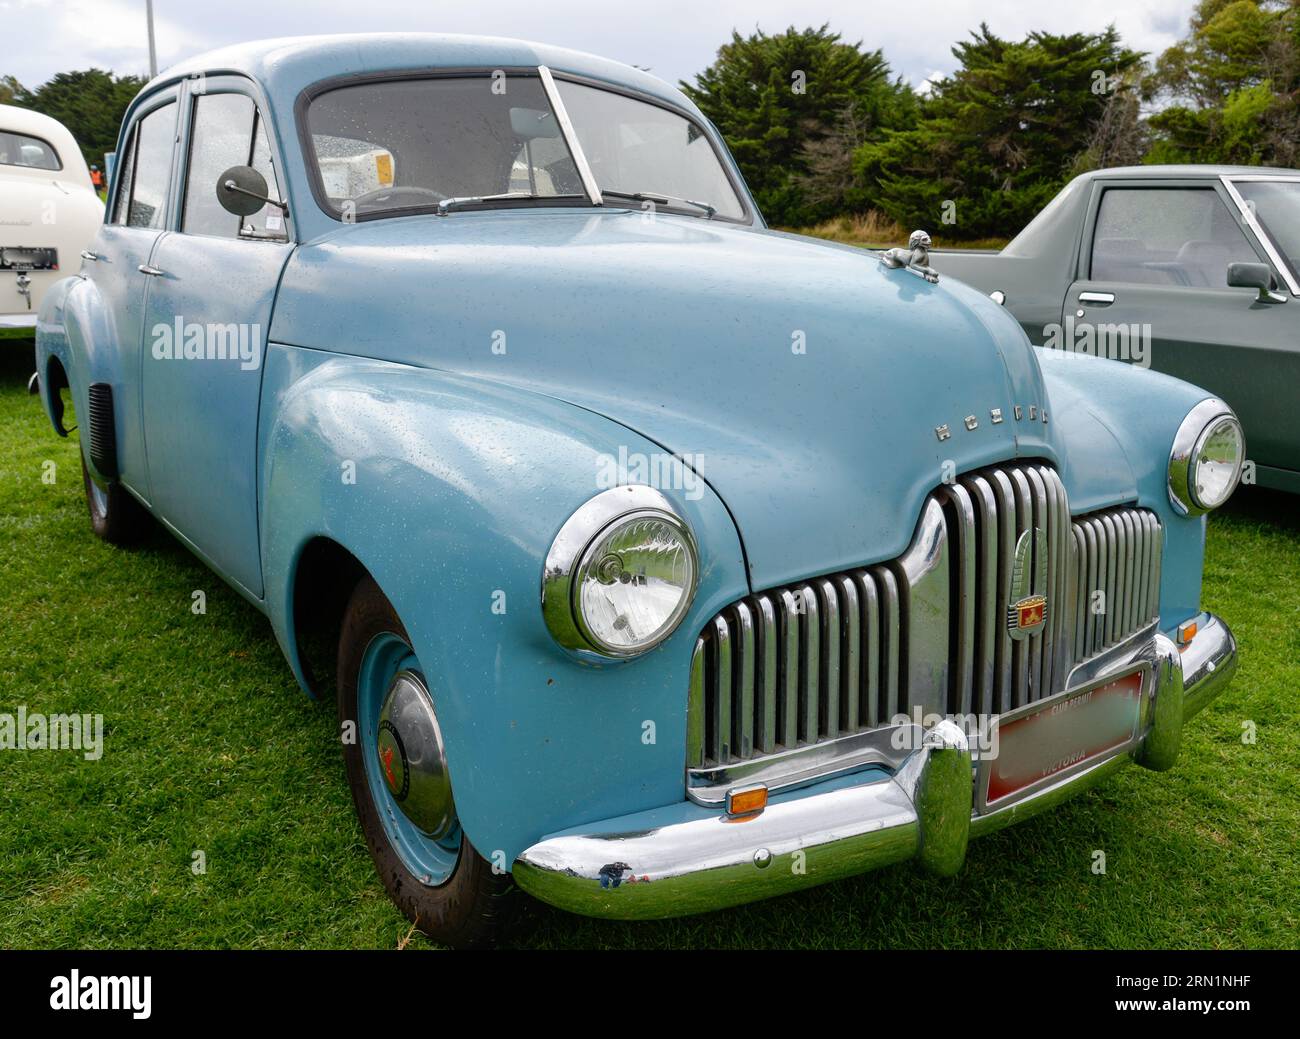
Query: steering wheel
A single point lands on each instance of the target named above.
(387, 196)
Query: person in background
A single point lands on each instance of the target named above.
(97, 179)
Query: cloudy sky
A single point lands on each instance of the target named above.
(674, 38)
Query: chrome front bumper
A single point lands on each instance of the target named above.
(686, 858)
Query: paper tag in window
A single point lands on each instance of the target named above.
(273, 223)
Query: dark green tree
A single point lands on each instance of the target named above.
(996, 140)
(90, 104)
(793, 107)
(1231, 88)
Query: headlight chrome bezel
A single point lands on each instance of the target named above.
(1188, 442)
(580, 532)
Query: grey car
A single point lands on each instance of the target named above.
(1190, 270)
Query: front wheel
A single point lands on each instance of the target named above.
(397, 770)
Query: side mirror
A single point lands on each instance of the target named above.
(1254, 276)
(242, 190)
(532, 124)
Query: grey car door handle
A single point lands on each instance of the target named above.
(153, 272)
(1097, 299)
(86, 254)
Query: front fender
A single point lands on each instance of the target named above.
(459, 488)
(1116, 424)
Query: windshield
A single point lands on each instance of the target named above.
(452, 142)
(1277, 205)
(403, 144)
(17, 149)
(634, 147)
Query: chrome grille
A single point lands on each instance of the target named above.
(1117, 553)
(838, 655)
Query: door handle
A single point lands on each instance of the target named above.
(1097, 299)
(86, 254)
(153, 272)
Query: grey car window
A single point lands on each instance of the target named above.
(634, 146)
(395, 145)
(1167, 236)
(17, 149)
(222, 137)
(152, 170)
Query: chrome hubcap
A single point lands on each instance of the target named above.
(412, 757)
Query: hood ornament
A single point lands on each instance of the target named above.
(916, 257)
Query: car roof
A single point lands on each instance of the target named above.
(1188, 170)
(35, 124)
(286, 66)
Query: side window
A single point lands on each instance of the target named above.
(122, 203)
(221, 137)
(1166, 236)
(151, 168)
(228, 131)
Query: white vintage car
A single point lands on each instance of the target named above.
(49, 211)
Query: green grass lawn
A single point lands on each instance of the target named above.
(210, 746)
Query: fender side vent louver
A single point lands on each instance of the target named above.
(103, 438)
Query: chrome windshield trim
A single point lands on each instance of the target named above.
(1249, 218)
(570, 137)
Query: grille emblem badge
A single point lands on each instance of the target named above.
(1027, 608)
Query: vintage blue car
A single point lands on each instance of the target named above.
(660, 562)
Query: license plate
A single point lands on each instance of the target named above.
(28, 258)
(1065, 733)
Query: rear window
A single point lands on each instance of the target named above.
(18, 149)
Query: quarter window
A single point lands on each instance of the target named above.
(268, 222)
(1167, 236)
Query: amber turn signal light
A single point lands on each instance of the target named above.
(745, 800)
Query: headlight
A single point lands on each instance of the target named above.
(620, 575)
(1205, 463)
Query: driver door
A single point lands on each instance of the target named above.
(1156, 255)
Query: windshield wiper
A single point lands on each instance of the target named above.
(662, 199)
(448, 204)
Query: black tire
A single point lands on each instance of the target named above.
(469, 909)
(114, 515)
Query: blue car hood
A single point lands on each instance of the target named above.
(804, 381)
